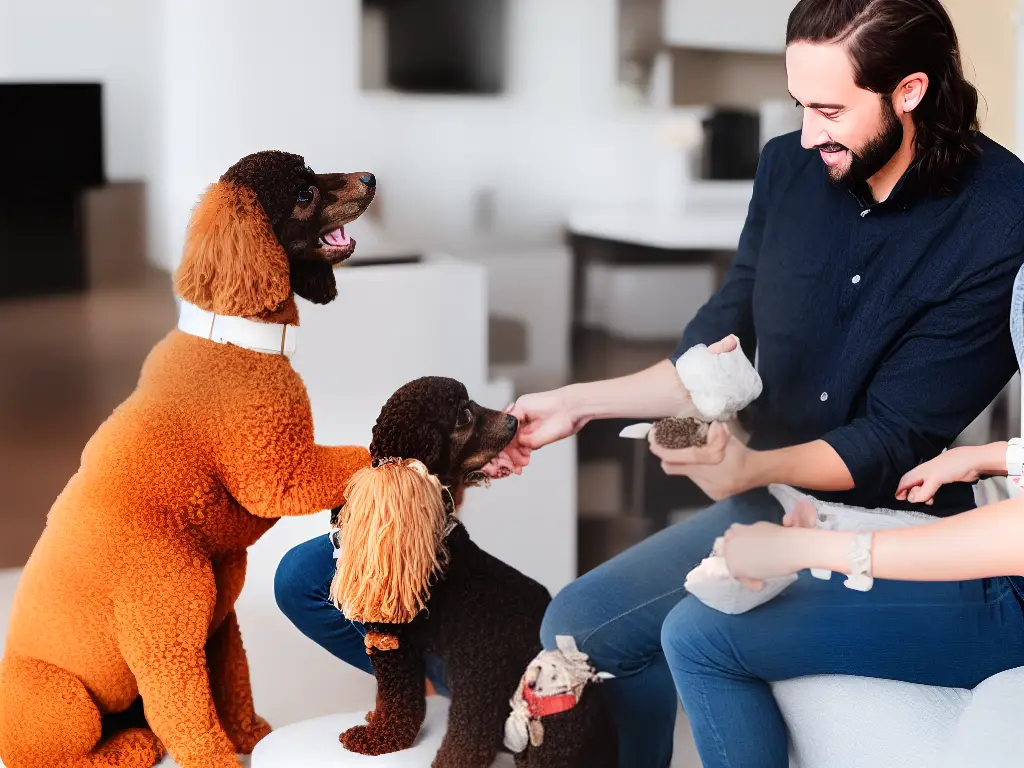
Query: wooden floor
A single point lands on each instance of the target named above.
(65, 363)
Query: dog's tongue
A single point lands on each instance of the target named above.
(337, 238)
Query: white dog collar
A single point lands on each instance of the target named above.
(270, 338)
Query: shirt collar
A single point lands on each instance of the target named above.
(906, 192)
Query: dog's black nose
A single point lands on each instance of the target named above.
(513, 422)
(369, 180)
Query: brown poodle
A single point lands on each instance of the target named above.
(408, 570)
(130, 590)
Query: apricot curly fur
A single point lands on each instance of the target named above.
(130, 590)
(392, 528)
(233, 263)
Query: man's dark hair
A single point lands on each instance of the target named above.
(888, 40)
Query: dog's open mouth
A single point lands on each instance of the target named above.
(336, 245)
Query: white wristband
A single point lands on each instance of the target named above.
(860, 577)
(1014, 457)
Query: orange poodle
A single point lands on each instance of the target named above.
(130, 591)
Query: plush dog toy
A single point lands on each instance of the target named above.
(551, 723)
(409, 571)
(130, 590)
(720, 386)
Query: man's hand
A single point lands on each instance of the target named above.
(544, 418)
(719, 468)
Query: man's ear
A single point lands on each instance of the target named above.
(910, 92)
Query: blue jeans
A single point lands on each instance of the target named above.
(302, 588)
(634, 618)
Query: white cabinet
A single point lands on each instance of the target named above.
(756, 26)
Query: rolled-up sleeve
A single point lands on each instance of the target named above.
(948, 368)
(730, 309)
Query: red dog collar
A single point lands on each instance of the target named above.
(539, 706)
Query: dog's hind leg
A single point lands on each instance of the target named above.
(49, 719)
(476, 720)
(401, 704)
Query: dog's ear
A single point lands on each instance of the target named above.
(392, 530)
(402, 430)
(233, 263)
(314, 281)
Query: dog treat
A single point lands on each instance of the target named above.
(720, 385)
(681, 433)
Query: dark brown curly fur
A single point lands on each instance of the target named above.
(482, 617)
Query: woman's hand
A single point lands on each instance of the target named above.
(957, 465)
(764, 551)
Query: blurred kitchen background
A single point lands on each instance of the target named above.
(561, 185)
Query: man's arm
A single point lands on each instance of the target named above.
(942, 374)
(815, 466)
(948, 368)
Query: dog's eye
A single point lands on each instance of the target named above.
(464, 418)
(305, 196)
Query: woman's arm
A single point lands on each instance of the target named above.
(981, 543)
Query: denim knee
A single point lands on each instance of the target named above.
(692, 636)
(611, 643)
(566, 614)
(293, 590)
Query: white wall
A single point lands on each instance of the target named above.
(112, 41)
(244, 75)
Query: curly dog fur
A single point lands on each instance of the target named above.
(127, 601)
(480, 616)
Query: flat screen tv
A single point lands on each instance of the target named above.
(52, 132)
(444, 46)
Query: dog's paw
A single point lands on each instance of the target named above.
(245, 738)
(367, 740)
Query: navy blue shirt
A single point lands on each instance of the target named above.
(881, 328)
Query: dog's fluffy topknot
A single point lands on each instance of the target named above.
(276, 177)
(411, 426)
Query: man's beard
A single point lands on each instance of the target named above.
(874, 155)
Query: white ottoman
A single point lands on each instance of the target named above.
(314, 743)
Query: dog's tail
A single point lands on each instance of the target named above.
(392, 529)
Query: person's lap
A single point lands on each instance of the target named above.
(944, 634)
(622, 613)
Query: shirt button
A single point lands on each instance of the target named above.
(824, 396)
(855, 279)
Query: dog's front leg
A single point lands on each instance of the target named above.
(225, 657)
(401, 702)
(232, 691)
(162, 620)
